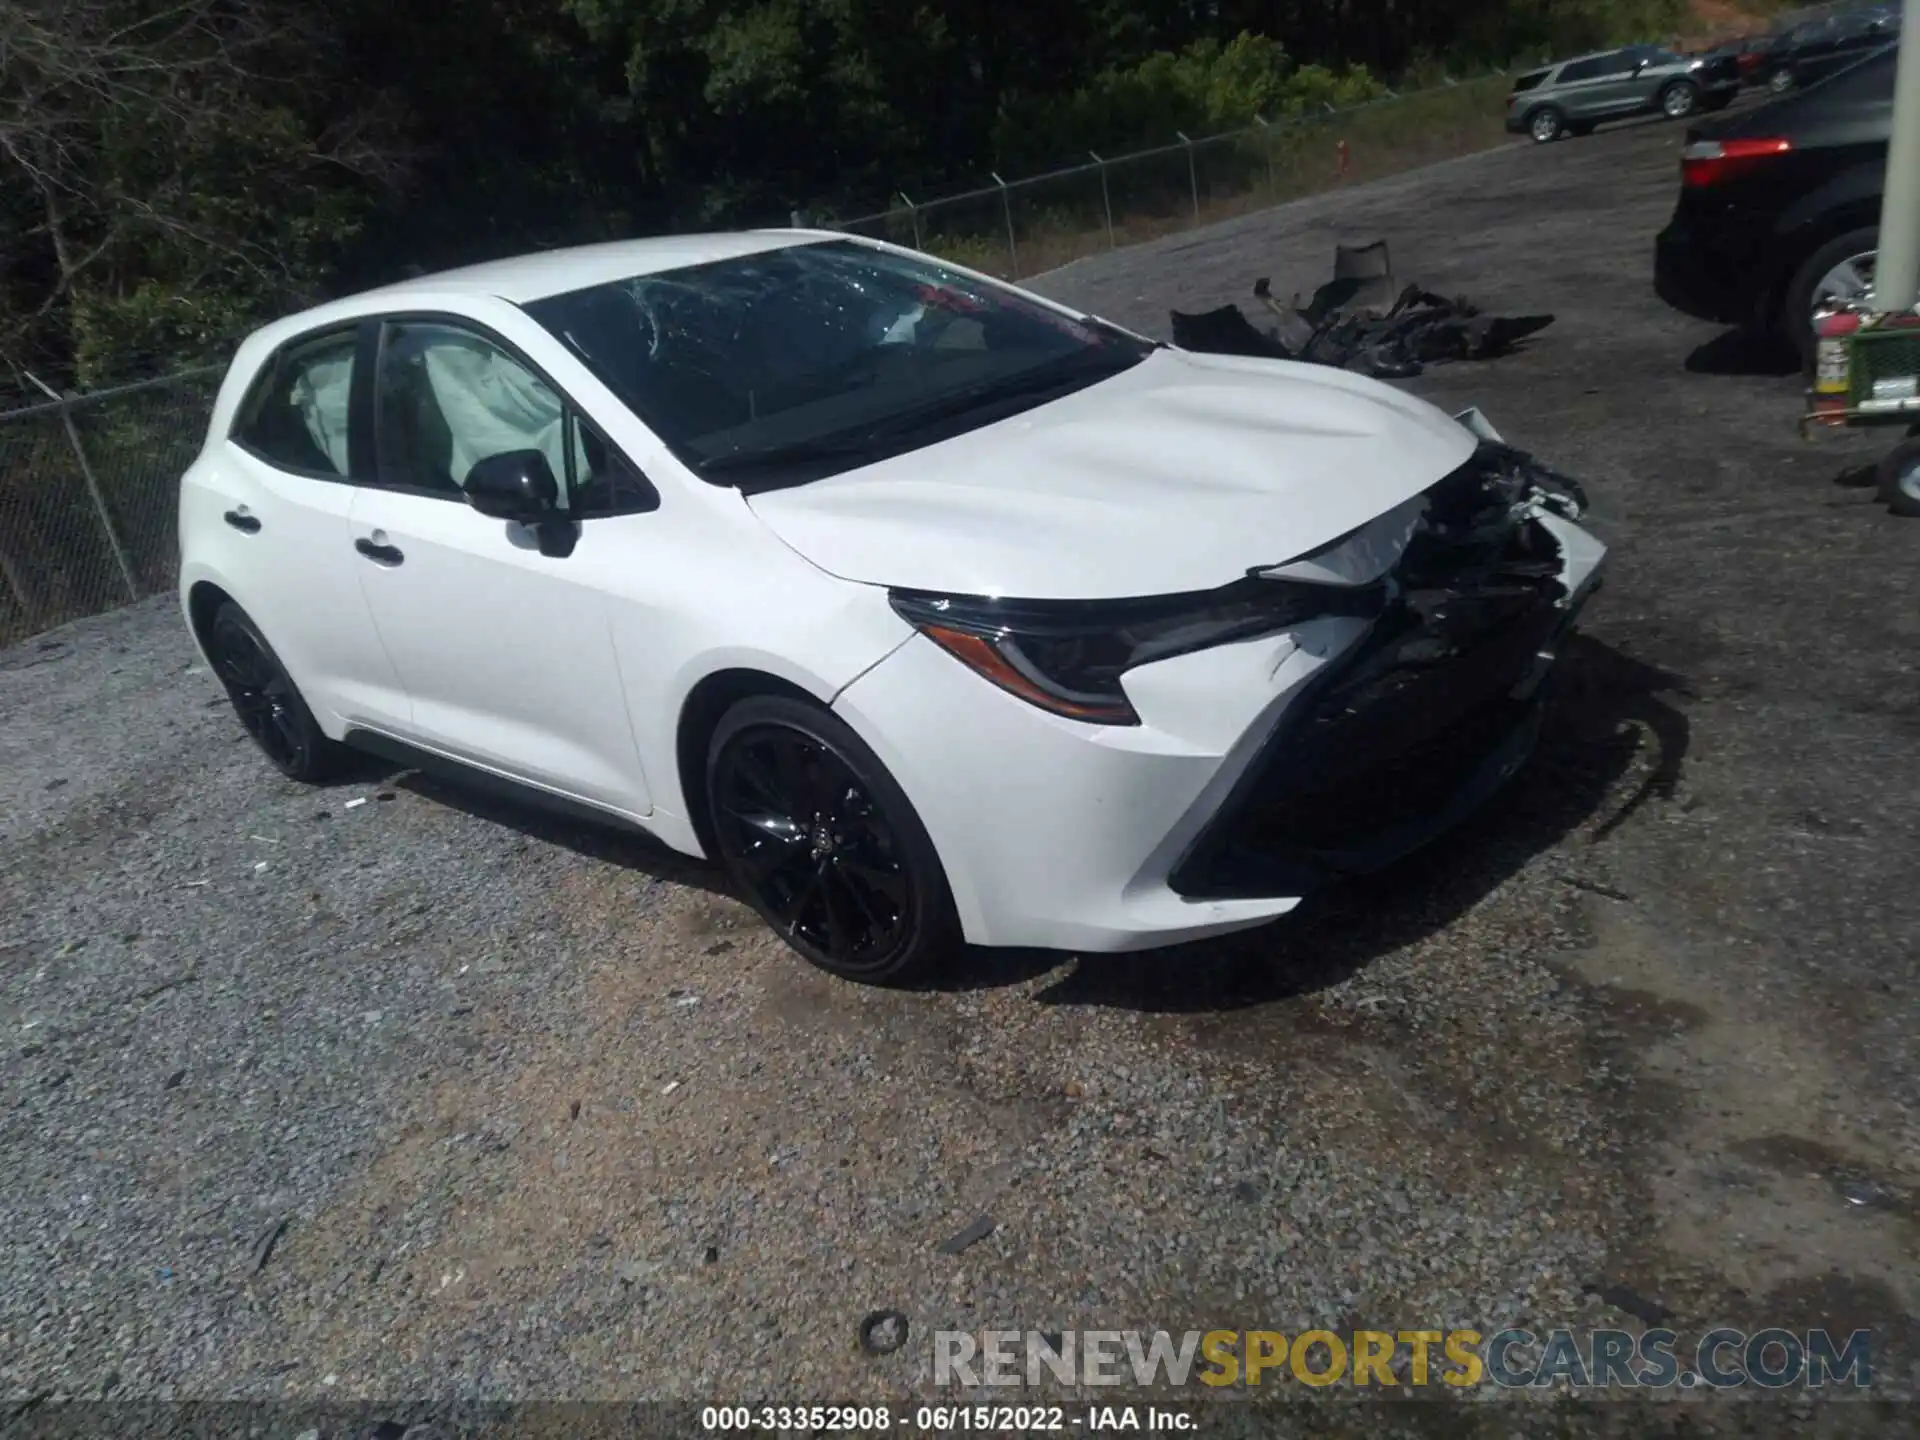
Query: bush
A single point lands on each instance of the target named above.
(1205, 88)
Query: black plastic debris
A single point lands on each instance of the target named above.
(1351, 324)
(270, 1237)
(1629, 1301)
(883, 1332)
(972, 1234)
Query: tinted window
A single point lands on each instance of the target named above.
(1527, 82)
(1619, 62)
(295, 418)
(446, 398)
(824, 355)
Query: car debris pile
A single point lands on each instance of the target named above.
(1352, 324)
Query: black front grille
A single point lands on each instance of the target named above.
(1398, 738)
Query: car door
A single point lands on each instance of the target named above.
(1621, 87)
(1576, 88)
(505, 651)
(279, 500)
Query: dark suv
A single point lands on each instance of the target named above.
(1780, 206)
(1811, 51)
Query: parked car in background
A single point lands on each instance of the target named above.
(1748, 54)
(1815, 49)
(1570, 97)
(930, 608)
(1779, 207)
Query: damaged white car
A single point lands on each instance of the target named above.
(933, 610)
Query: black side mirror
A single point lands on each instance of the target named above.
(515, 485)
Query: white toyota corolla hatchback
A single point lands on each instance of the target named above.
(930, 608)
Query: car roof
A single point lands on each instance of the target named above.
(522, 279)
(525, 278)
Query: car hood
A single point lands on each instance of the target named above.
(1181, 473)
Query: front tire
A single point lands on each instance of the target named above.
(824, 844)
(266, 700)
(1546, 125)
(1680, 99)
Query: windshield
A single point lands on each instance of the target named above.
(796, 363)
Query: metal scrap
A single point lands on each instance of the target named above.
(1346, 326)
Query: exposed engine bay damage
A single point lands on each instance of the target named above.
(1351, 325)
(1435, 706)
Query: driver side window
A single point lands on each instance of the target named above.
(446, 398)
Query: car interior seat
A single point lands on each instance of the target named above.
(415, 440)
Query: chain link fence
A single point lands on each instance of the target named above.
(88, 487)
(1015, 228)
(89, 483)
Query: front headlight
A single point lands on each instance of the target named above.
(1067, 656)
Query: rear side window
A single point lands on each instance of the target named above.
(295, 417)
(1586, 69)
(1529, 82)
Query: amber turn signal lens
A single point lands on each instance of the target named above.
(984, 658)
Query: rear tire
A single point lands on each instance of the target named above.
(825, 846)
(1546, 125)
(266, 700)
(1899, 477)
(1795, 317)
(1680, 99)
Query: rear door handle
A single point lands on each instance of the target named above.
(243, 522)
(379, 554)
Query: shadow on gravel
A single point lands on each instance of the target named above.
(596, 840)
(1741, 352)
(1611, 715)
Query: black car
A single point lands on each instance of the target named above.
(1815, 49)
(1780, 206)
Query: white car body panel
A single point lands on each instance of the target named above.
(572, 673)
(505, 653)
(303, 574)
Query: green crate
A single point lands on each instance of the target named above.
(1880, 355)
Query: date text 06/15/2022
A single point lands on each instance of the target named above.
(942, 1419)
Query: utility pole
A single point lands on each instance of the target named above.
(1896, 269)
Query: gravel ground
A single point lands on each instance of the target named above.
(428, 1099)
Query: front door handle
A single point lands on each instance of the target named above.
(379, 554)
(243, 522)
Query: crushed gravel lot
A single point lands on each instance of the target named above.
(430, 1098)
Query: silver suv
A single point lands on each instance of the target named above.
(1570, 97)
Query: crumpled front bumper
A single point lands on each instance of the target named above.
(1260, 770)
(1417, 723)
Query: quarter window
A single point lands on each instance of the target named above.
(296, 417)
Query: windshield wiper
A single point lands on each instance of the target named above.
(1040, 380)
(792, 452)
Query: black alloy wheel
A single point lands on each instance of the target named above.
(824, 845)
(266, 699)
